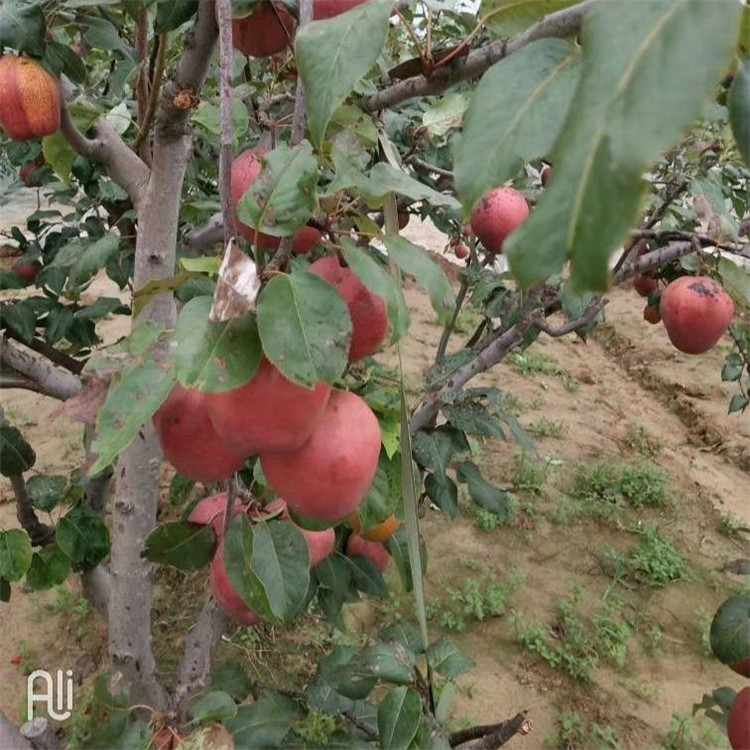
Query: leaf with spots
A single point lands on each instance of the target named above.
(304, 327)
(131, 402)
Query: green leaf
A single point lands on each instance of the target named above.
(332, 55)
(93, 259)
(733, 368)
(15, 554)
(20, 318)
(415, 261)
(509, 17)
(405, 634)
(282, 198)
(22, 26)
(738, 103)
(730, 633)
(209, 116)
(264, 724)
(666, 56)
(11, 280)
(49, 567)
(442, 491)
(131, 402)
(446, 659)
(180, 489)
(46, 492)
(517, 112)
(211, 356)
(738, 402)
(238, 558)
(83, 536)
(60, 58)
(4, 590)
(484, 494)
(377, 279)
(59, 154)
(304, 327)
(16, 455)
(215, 706)
(472, 418)
(446, 113)
(435, 450)
(183, 545)
(171, 14)
(735, 280)
(59, 322)
(281, 562)
(366, 577)
(390, 663)
(101, 308)
(399, 714)
(232, 678)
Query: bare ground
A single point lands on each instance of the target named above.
(625, 394)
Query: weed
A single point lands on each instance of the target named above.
(657, 560)
(513, 405)
(573, 733)
(316, 728)
(544, 427)
(528, 475)
(732, 526)
(576, 646)
(654, 637)
(535, 363)
(478, 600)
(640, 483)
(684, 735)
(73, 606)
(643, 690)
(640, 440)
(703, 626)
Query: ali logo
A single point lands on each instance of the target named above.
(61, 692)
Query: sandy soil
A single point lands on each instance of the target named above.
(625, 381)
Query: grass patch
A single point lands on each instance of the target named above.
(576, 644)
(543, 427)
(641, 441)
(528, 475)
(641, 484)
(528, 363)
(477, 600)
(573, 732)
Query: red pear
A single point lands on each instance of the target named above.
(326, 479)
(738, 722)
(225, 594)
(190, 442)
(29, 99)
(265, 32)
(269, 413)
(374, 551)
(329, 8)
(320, 544)
(211, 510)
(498, 213)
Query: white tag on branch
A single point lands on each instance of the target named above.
(237, 287)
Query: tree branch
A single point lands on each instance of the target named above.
(500, 734)
(654, 259)
(49, 352)
(595, 307)
(200, 239)
(40, 534)
(162, 43)
(564, 23)
(10, 737)
(50, 381)
(107, 148)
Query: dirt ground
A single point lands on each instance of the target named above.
(623, 395)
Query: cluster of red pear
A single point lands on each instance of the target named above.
(270, 28)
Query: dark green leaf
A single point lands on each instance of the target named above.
(45, 492)
(84, 537)
(399, 714)
(304, 327)
(214, 356)
(733, 367)
(93, 259)
(264, 724)
(130, 403)
(171, 14)
(183, 545)
(377, 279)
(15, 554)
(517, 112)
(180, 489)
(4, 590)
(60, 58)
(22, 26)
(16, 455)
(232, 678)
(101, 308)
(736, 281)
(443, 492)
(59, 154)
(390, 663)
(403, 633)
(332, 55)
(446, 659)
(281, 562)
(738, 103)
(366, 577)
(11, 280)
(19, 318)
(484, 494)
(59, 322)
(435, 450)
(282, 198)
(738, 402)
(666, 56)
(415, 261)
(49, 567)
(473, 418)
(215, 706)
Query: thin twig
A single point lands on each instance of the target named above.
(429, 167)
(364, 728)
(595, 307)
(153, 99)
(39, 533)
(451, 325)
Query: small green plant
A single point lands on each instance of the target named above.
(732, 526)
(528, 475)
(485, 520)
(685, 735)
(643, 690)
(478, 600)
(642, 441)
(656, 560)
(640, 483)
(574, 645)
(316, 728)
(529, 363)
(544, 427)
(574, 733)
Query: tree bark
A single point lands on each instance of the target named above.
(10, 737)
(138, 470)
